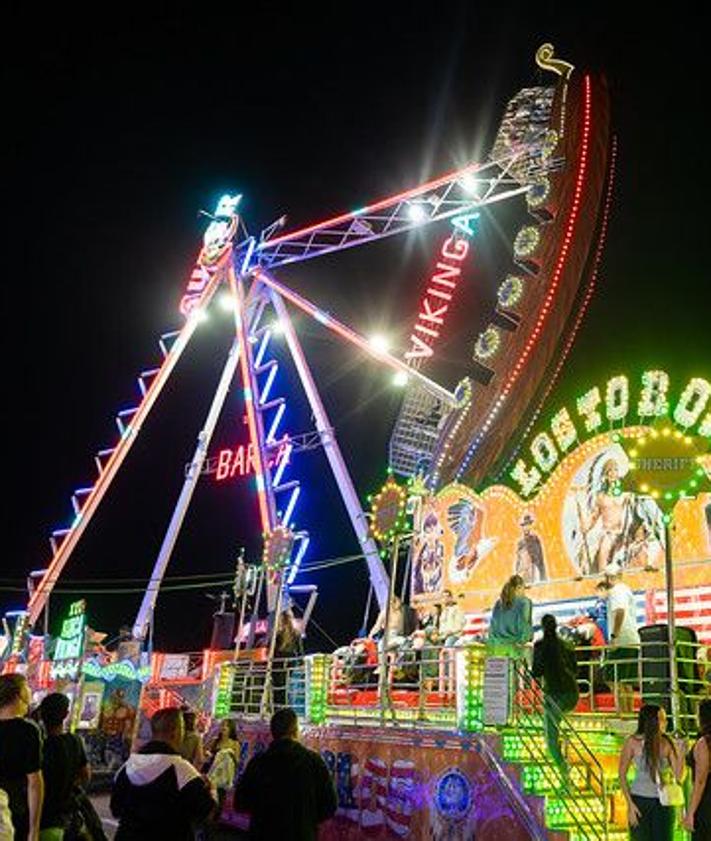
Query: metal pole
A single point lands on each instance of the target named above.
(272, 645)
(671, 627)
(145, 612)
(255, 610)
(385, 699)
(378, 576)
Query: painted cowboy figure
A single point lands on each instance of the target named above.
(530, 564)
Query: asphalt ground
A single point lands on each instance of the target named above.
(110, 824)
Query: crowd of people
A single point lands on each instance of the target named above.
(173, 787)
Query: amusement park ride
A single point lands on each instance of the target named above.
(555, 153)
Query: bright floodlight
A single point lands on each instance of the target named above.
(199, 315)
(379, 343)
(470, 183)
(227, 301)
(417, 213)
(277, 327)
(400, 379)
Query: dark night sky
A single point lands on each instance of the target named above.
(118, 129)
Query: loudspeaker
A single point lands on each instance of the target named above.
(656, 672)
(223, 631)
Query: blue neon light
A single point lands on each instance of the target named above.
(290, 507)
(303, 546)
(262, 348)
(275, 423)
(282, 464)
(263, 397)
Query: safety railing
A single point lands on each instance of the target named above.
(258, 689)
(577, 791)
(420, 686)
(604, 673)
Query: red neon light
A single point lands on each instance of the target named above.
(438, 295)
(240, 460)
(566, 244)
(457, 173)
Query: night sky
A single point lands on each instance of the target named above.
(119, 126)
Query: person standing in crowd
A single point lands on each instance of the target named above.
(451, 620)
(287, 790)
(223, 766)
(511, 625)
(288, 646)
(654, 756)
(191, 749)
(554, 661)
(64, 765)
(622, 664)
(20, 757)
(698, 816)
(157, 793)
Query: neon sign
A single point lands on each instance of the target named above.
(70, 644)
(240, 461)
(216, 242)
(439, 293)
(691, 414)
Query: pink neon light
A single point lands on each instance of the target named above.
(430, 185)
(40, 595)
(586, 300)
(435, 303)
(240, 460)
(252, 420)
(566, 244)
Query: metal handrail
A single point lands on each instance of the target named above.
(513, 793)
(590, 659)
(596, 777)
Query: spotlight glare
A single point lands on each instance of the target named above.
(226, 302)
(277, 327)
(199, 315)
(417, 213)
(400, 379)
(470, 183)
(379, 343)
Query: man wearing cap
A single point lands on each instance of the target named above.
(622, 664)
(529, 554)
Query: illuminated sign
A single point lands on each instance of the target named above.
(439, 293)
(240, 461)
(216, 241)
(70, 644)
(614, 404)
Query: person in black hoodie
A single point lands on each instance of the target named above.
(287, 790)
(157, 793)
(554, 661)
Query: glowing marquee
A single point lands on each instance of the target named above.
(216, 243)
(439, 292)
(240, 461)
(614, 405)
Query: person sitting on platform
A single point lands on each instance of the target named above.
(395, 624)
(451, 621)
(511, 626)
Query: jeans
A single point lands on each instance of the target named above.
(655, 822)
(553, 708)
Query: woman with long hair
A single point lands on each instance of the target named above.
(554, 661)
(655, 758)
(288, 646)
(511, 624)
(698, 816)
(223, 766)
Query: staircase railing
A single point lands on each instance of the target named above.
(513, 793)
(528, 714)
